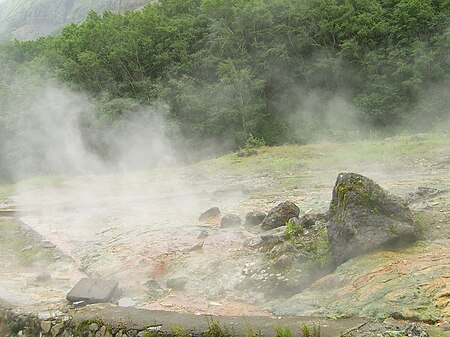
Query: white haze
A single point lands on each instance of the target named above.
(52, 133)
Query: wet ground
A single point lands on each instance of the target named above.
(140, 228)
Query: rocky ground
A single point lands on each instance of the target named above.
(143, 230)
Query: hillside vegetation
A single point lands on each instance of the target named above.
(234, 72)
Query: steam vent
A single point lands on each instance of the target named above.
(364, 218)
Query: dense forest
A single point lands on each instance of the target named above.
(233, 72)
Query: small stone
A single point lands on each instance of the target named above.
(101, 332)
(280, 215)
(43, 277)
(210, 213)
(177, 283)
(56, 329)
(46, 326)
(283, 261)
(308, 220)
(230, 220)
(29, 247)
(198, 246)
(203, 234)
(66, 333)
(254, 218)
(93, 327)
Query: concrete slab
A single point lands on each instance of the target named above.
(90, 290)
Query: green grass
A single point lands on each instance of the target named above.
(214, 329)
(20, 246)
(295, 158)
(8, 190)
(436, 332)
(306, 331)
(293, 230)
(283, 331)
(178, 331)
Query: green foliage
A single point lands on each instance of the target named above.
(293, 230)
(179, 331)
(254, 142)
(214, 329)
(306, 331)
(283, 331)
(250, 331)
(245, 73)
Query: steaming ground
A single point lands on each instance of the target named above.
(139, 228)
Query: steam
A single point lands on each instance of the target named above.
(57, 131)
(320, 117)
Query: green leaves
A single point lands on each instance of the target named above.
(230, 69)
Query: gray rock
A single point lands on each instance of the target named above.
(196, 247)
(93, 327)
(203, 234)
(294, 221)
(103, 332)
(280, 215)
(56, 329)
(209, 214)
(308, 220)
(284, 261)
(363, 218)
(273, 236)
(46, 326)
(66, 333)
(43, 277)
(230, 220)
(254, 218)
(91, 290)
(177, 283)
(422, 193)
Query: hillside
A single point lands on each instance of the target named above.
(29, 19)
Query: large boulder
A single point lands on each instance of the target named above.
(280, 215)
(363, 218)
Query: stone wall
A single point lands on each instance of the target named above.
(14, 324)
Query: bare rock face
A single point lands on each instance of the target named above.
(364, 218)
(30, 19)
(280, 215)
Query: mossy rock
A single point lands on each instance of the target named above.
(363, 218)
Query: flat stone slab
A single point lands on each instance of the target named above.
(90, 290)
(196, 325)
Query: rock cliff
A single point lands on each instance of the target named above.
(29, 19)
